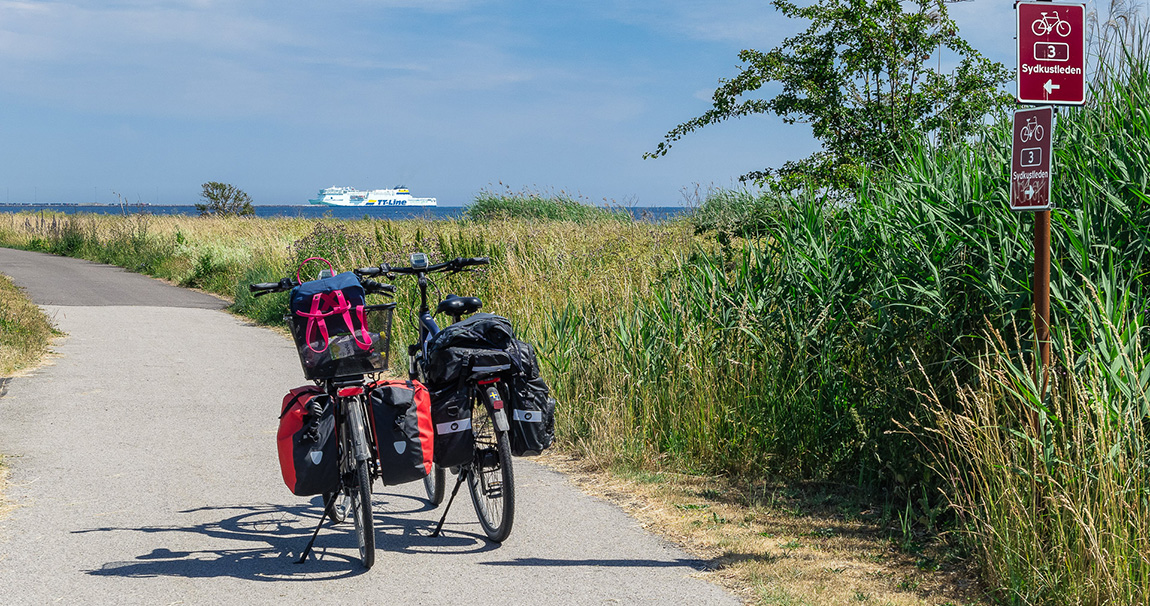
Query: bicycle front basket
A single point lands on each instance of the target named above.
(343, 353)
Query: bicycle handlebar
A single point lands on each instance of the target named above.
(367, 272)
(371, 286)
(454, 265)
(266, 288)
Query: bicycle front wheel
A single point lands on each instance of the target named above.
(361, 513)
(490, 479)
(433, 484)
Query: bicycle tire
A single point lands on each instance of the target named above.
(1039, 27)
(490, 478)
(433, 484)
(1063, 26)
(361, 510)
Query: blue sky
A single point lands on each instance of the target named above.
(152, 98)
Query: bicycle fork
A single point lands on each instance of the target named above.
(358, 428)
(350, 401)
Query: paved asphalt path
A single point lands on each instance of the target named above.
(143, 471)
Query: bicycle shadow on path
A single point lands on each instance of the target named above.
(278, 535)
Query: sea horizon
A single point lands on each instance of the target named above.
(310, 211)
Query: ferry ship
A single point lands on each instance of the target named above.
(350, 196)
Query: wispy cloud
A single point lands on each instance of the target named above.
(212, 59)
(750, 23)
(457, 93)
(438, 6)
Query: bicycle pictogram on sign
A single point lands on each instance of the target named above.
(1031, 131)
(1045, 25)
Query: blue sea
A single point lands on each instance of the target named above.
(653, 213)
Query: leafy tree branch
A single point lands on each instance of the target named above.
(860, 76)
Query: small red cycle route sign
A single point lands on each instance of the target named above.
(1051, 53)
(1030, 164)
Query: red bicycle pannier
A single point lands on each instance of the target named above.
(308, 449)
(405, 437)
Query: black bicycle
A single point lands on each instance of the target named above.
(345, 384)
(488, 474)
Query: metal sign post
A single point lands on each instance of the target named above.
(1051, 71)
(1030, 185)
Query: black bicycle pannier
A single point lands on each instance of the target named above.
(306, 441)
(401, 415)
(451, 414)
(486, 343)
(531, 415)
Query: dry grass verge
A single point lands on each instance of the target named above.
(782, 545)
(25, 332)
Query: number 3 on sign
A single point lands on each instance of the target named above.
(1031, 156)
(1051, 51)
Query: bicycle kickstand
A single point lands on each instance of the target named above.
(458, 483)
(322, 518)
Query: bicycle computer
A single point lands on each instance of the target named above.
(418, 260)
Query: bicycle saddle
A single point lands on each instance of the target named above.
(456, 306)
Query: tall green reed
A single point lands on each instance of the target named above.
(1057, 512)
(794, 350)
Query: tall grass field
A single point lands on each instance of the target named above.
(884, 343)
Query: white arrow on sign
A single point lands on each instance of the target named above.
(1050, 86)
(1030, 191)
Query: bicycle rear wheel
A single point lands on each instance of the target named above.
(361, 514)
(490, 479)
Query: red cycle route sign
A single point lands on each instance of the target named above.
(1030, 164)
(1051, 53)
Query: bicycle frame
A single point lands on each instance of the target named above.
(358, 460)
(428, 328)
(427, 325)
(489, 474)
